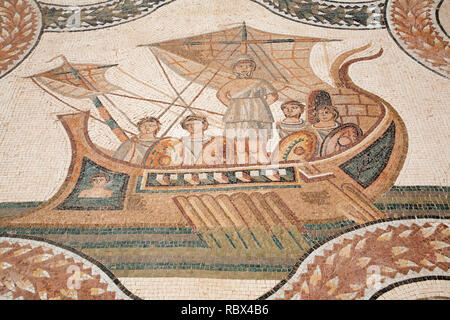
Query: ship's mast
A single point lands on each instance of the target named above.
(112, 124)
(244, 38)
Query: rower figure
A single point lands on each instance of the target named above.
(292, 122)
(326, 117)
(248, 116)
(135, 149)
(194, 142)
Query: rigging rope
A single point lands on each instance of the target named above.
(144, 83)
(171, 85)
(268, 58)
(201, 71)
(217, 124)
(120, 110)
(163, 102)
(203, 88)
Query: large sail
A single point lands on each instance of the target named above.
(283, 60)
(79, 81)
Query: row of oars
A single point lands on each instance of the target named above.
(257, 214)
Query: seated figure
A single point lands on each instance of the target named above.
(326, 121)
(332, 136)
(98, 190)
(134, 149)
(292, 122)
(194, 142)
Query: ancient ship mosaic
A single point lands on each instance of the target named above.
(292, 161)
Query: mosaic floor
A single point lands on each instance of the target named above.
(224, 150)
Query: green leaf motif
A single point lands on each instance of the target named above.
(333, 14)
(367, 166)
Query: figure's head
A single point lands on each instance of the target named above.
(149, 125)
(293, 109)
(194, 124)
(99, 179)
(322, 98)
(325, 113)
(244, 66)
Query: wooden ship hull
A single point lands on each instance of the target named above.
(237, 207)
(299, 191)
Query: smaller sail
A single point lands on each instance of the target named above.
(78, 81)
(83, 81)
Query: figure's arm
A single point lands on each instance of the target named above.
(123, 150)
(272, 94)
(223, 95)
(271, 98)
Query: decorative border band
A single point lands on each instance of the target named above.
(415, 28)
(345, 238)
(63, 18)
(20, 31)
(364, 15)
(114, 283)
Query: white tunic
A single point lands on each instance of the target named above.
(249, 109)
(192, 149)
(285, 129)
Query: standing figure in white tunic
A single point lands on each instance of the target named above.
(248, 101)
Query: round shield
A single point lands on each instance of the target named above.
(296, 146)
(340, 139)
(166, 152)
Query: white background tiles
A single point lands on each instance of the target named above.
(197, 289)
